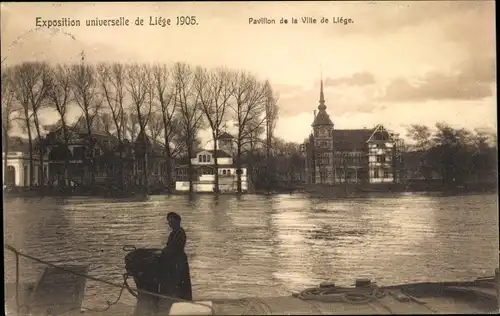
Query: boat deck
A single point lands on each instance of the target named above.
(57, 291)
(61, 292)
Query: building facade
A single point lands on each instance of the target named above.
(335, 156)
(203, 164)
(18, 169)
(100, 158)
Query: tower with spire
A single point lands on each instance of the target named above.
(322, 143)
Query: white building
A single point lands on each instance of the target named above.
(203, 163)
(18, 166)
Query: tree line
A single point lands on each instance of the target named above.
(457, 155)
(167, 104)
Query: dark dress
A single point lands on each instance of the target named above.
(175, 279)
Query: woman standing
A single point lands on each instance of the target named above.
(176, 279)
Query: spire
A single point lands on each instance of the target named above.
(321, 105)
(322, 118)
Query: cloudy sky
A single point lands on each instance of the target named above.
(399, 63)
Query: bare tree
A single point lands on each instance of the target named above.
(190, 111)
(112, 85)
(214, 92)
(166, 93)
(9, 111)
(85, 90)
(131, 124)
(104, 123)
(271, 117)
(155, 125)
(139, 85)
(248, 108)
(59, 96)
(32, 84)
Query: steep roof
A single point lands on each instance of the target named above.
(79, 129)
(17, 144)
(225, 135)
(142, 137)
(220, 153)
(350, 139)
(322, 118)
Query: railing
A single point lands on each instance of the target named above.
(134, 291)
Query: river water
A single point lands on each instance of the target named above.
(256, 246)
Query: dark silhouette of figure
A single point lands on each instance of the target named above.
(175, 279)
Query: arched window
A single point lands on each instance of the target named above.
(199, 158)
(224, 171)
(10, 176)
(229, 171)
(26, 176)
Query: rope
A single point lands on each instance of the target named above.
(122, 287)
(18, 305)
(357, 295)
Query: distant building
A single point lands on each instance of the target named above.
(203, 163)
(113, 162)
(18, 166)
(349, 155)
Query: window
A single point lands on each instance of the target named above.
(204, 158)
(209, 158)
(199, 158)
(386, 174)
(26, 176)
(10, 176)
(376, 174)
(228, 172)
(224, 171)
(380, 158)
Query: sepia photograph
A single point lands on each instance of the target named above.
(249, 158)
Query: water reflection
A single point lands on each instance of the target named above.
(263, 246)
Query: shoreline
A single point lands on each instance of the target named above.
(326, 191)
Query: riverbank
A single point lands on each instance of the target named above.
(314, 190)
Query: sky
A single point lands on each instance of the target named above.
(398, 63)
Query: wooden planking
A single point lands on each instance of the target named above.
(60, 290)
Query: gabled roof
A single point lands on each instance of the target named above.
(225, 135)
(142, 137)
(221, 154)
(380, 133)
(351, 139)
